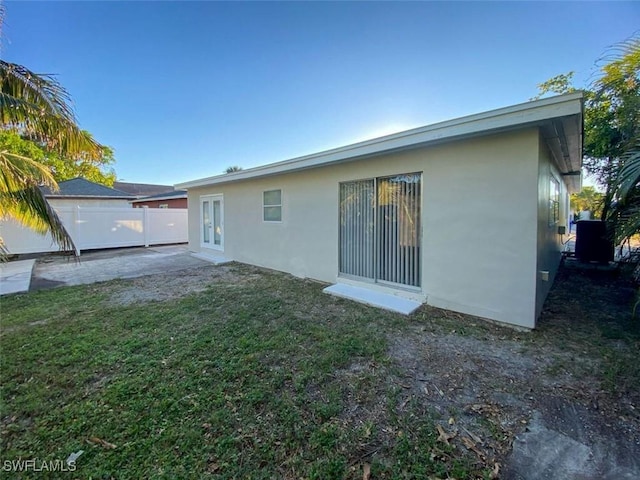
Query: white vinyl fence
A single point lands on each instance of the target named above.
(100, 227)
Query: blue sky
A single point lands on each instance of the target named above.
(182, 90)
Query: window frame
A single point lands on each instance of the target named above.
(272, 205)
(554, 201)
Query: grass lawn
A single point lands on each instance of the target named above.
(259, 375)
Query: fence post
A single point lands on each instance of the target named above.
(76, 229)
(145, 224)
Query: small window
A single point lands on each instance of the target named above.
(163, 205)
(272, 206)
(554, 201)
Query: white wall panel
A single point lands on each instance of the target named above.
(167, 225)
(19, 239)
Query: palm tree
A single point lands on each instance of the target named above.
(625, 214)
(232, 169)
(626, 211)
(38, 107)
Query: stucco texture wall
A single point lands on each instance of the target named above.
(479, 221)
(549, 242)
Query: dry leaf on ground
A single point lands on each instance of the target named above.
(101, 442)
(366, 472)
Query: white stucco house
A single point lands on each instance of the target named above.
(464, 215)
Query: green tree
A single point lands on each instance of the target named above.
(559, 85)
(611, 130)
(234, 168)
(95, 170)
(587, 199)
(612, 118)
(37, 107)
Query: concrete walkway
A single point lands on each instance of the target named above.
(15, 277)
(97, 266)
(102, 265)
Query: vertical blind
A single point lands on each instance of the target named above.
(357, 228)
(380, 229)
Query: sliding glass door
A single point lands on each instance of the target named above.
(380, 229)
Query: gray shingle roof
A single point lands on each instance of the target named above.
(142, 189)
(80, 187)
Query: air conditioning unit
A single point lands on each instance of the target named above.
(592, 242)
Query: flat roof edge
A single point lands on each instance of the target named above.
(520, 115)
(153, 199)
(101, 197)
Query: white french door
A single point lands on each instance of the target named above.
(212, 222)
(380, 229)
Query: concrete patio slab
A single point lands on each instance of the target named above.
(370, 297)
(103, 265)
(15, 276)
(216, 259)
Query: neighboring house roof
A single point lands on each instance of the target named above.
(142, 189)
(559, 117)
(162, 196)
(82, 188)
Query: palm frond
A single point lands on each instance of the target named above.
(619, 65)
(630, 172)
(4, 253)
(30, 208)
(22, 199)
(18, 172)
(40, 90)
(620, 49)
(40, 107)
(627, 221)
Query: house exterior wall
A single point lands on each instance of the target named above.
(549, 242)
(173, 203)
(90, 202)
(479, 229)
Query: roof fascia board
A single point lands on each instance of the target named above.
(530, 113)
(101, 197)
(153, 199)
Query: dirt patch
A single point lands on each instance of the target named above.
(482, 393)
(174, 285)
(507, 396)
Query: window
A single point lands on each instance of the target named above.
(554, 201)
(272, 206)
(163, 205)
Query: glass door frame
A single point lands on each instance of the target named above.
(215, 222)
(375, 260)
